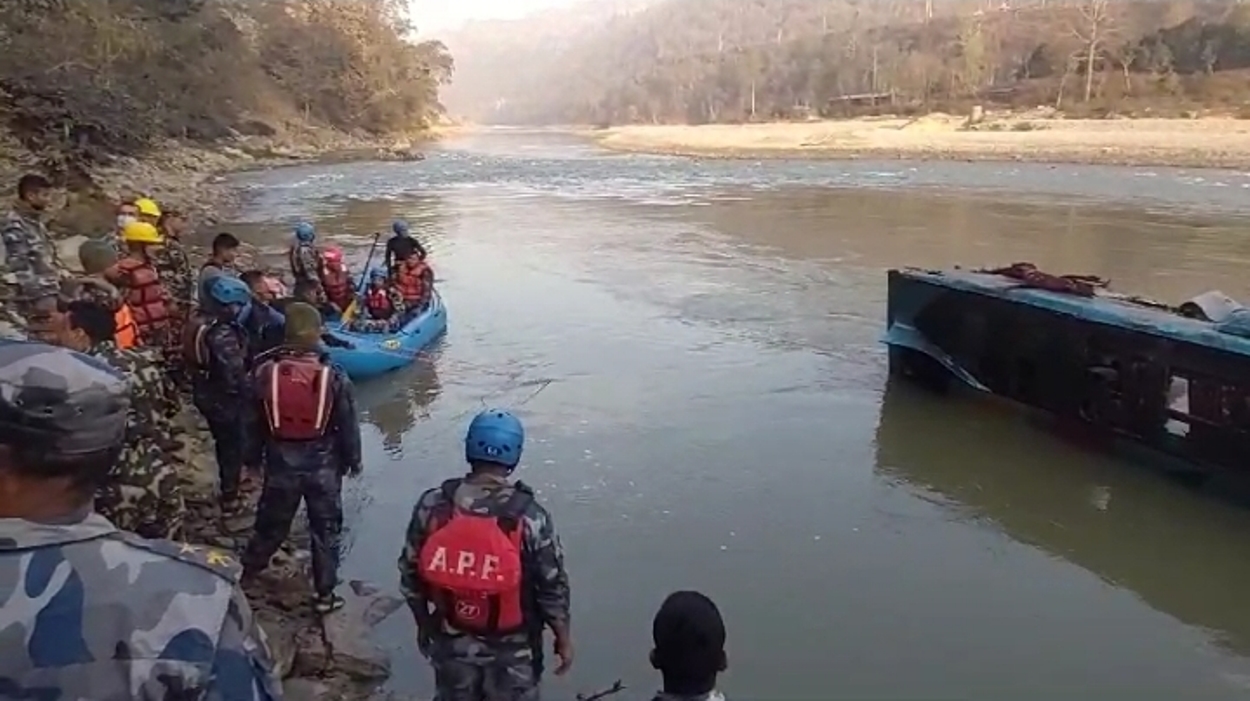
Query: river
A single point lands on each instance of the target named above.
(693, 346)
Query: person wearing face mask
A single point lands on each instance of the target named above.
(142, 493)
(127, 212)
(34, 273)
(218, 357)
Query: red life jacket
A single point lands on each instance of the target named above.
(378, 302)
(472, 564)
(145, 295)
(297, 396)
(410, 278)
(338, 285)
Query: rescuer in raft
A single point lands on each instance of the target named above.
(310, 437)
(303, 256)
(483, 571)
(217, 356)
(138, 280)
(336, 281)
(401, 245)
(414, 280)
(382, 306)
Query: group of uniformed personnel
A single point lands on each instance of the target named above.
(99, 603)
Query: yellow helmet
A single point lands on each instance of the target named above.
(148, 207)
(141, 232)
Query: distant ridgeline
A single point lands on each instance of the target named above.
(694, 61)
(82, 80)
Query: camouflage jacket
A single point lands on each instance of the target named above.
(541, 553)
(306, 262)
(89, 288)
(338, 448)
(30, 255)
(225, 385)
(174, 267)
(153, 401)
(91, 612)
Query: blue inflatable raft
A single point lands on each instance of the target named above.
(378, 353)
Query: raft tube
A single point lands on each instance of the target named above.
(379, 353)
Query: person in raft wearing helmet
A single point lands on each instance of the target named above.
(90, 611)
(303, 256)
(382, 306)
(336, 281)
(401, 245)
(311, 438)
(218, 358)
(483, 571)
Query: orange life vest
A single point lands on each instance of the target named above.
(144, 293)
(472, 563)
(297, 396)
(338, 285)
(378, 303)
(410, 279)
(127, 335)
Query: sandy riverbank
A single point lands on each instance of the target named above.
(319, 659)
(1040, 137)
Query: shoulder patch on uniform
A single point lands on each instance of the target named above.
(220, 562)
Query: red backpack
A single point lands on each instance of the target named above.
(297, 396)
(473, 564)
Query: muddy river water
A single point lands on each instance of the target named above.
(693, 346)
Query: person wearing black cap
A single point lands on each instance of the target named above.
(689, 652)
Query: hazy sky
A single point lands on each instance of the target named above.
(437, 15)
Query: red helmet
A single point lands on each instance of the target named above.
(333, 254)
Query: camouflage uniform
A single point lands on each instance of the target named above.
(143, 493)
(310, 470)
(174, 267)
(468, 667)
(91, 612)
(364, 324)
(306, 263)
(34, 271)
(93, 289)
(222, 392)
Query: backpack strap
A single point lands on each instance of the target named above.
(516, 506)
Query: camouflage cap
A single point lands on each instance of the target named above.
(303, 322)
(57, 400)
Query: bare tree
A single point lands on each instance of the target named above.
(1094, 27)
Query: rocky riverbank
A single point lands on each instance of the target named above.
(330, 657)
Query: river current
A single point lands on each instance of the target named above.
(694, 347)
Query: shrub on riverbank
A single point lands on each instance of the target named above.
(82, 81)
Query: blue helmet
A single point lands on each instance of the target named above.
(304, 232)
(400, 227)
(495, 436)
(226, 290)
(377, 274)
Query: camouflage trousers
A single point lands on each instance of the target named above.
(143, 494)
(468, 669)
(322, 490)
(228, 447)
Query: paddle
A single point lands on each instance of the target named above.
(364, 280)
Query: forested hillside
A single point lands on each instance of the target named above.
(84, 80)
(701, 61)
